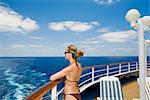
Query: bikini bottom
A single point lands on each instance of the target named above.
(77, 96)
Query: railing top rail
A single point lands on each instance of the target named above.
(48, 86)
(43, 90)
(88, 67)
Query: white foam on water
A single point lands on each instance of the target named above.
(39, 74)
(18, 94)
(33, 71)
(42, 74)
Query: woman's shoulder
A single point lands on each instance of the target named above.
(78, 65)
(74, 65)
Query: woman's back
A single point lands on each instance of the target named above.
(75, 73)
(71, 82)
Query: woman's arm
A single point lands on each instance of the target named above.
(61, 73)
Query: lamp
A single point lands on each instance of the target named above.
(146, 20)
(147, 41)
(141, 25)
(132, 16)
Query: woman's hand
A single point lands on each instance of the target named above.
(52, 78)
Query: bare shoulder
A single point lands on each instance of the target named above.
(74, 66)
(69, 67)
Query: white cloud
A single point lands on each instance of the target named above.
(124, 49)
(76, 33)
(37, 46)
(97, 42)
(66, 44)
(89, 41)
(106, 2)
(11, 21)
(57, 26)
(121, 36)
(104, 30)
(95, 23)
(74, 26)
(17, 46)
(84, 46)
(37, 37)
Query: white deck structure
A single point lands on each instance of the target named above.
(110, 88)
(147, 87)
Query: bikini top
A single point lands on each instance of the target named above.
(70, 80)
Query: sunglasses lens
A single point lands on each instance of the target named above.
(67, 52)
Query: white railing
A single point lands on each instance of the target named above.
(95, 72)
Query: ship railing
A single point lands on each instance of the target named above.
(90, 74)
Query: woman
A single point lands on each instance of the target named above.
(71, 73)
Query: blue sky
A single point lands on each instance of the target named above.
(46, 27)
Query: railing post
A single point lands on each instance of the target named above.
(129, 66)
(54, 93)
(119, 68)
(107, 70)
(136, 65)
(92, 73)
(148, 64)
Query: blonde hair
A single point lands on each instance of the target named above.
(76, 53)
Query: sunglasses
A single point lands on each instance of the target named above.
(67, 52)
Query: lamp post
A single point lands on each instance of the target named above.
(147, 42)
(133, 16)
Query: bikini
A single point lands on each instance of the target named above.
(76, 95)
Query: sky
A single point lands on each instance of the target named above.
(47, 27)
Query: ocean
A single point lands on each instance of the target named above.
(19, 76)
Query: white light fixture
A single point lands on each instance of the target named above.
(147, 41)
(132, 15)
(146, 20)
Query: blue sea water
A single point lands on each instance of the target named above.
(19, 76)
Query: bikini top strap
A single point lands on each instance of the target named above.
(71, 81)
(76, 63)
